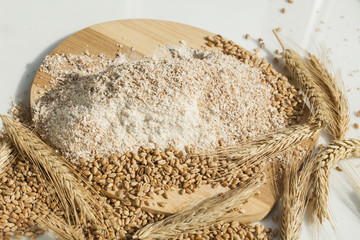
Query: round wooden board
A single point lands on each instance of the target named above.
(138, 38)
(141, 35)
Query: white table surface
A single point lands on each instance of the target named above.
(31, 29)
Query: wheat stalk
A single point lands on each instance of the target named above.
(333, 87)
(6, 154)
(60, 175)
(202, 214)
(60, 229)
(325, 160)
(293, 202)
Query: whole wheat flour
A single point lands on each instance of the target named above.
(184, 98)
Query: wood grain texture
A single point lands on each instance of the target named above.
(139, 38)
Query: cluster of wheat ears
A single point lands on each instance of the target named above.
(306, 183)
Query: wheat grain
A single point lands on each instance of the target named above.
(57, 172)
(333, 88)
(24, 197)
(325, 160)
(202, 214)
(293, 202)
(6, 154)
(60, 229)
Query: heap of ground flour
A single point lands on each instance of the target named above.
(184, 98)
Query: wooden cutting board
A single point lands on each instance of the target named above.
(138, 38)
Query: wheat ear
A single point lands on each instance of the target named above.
(325, 160)
(294, 202)
(60, 229)
(6, 154)
(334, 89)
(202, 214)
(60, 175)
(299, 71)
(267, 145)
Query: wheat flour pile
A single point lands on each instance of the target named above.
(185, 97)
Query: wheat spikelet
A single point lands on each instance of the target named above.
(325, 160)
(299, 71)
(324, 91)
(294, 64)
(60, 175)
(200, 215)
(334, 88)
(60, 229)
(6, 154)
(294, 202)
(267, 145)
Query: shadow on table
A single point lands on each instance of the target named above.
(23, 89)
(354, 198)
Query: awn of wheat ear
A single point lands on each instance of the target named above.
(60, 175)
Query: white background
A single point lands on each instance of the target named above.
(31, 29)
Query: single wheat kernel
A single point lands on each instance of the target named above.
(188, 191)
(165, 195)
(275, 232)
(182, 191)
(162, 204)
(279, 29)
(358, 113)
(210, 44)
(247, 36)
(283, 10)
(356, 126)
(275, 218)
(338, 168)
(320, 146)
(290, 1)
